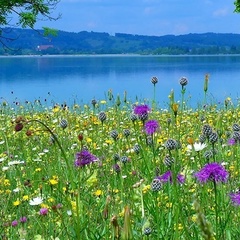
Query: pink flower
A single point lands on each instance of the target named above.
(43, 211)
(14, 223)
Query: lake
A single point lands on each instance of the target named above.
(79, 79)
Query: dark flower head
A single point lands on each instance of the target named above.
(212, 172)
(235, 198)
(154, 80)
(151, 126)
(183, 81)
(167, 177)
(141, 110)
(84, 158)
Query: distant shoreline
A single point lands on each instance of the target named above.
(117, 55)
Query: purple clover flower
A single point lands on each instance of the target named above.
(151, 126)
(141, 109)
(235, 198)
(43, 211)
(167, 177)
(231, 141)
(23, 219)
(84, 158)
(212, 172)
(14, 223)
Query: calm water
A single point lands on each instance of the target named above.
(82, 78)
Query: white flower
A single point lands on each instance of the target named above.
(196, 146)
(16, 190)
(36, 201)
(69, 212)
(15, 162)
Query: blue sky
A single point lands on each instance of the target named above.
(146, 17)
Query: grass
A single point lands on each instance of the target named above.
(124, 190)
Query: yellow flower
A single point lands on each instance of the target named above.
(6, 182)
(115, 190)
(16, 203)
(146, 188)
(56, 109)
(25, 198)
(53, 181)
(98, 193)
(51, 200)
(89, 140)
(103, 102)
(38, 170)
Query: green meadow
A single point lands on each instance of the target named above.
(115, 169)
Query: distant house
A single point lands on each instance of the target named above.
(44, 47)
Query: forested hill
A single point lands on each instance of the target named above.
(25, 41)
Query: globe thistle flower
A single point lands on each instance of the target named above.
(114, 134)
(94, 102)
(84, 158)
(63, 124)
(126, 132)
(206, 130)
(116, 157)
(102, 116)
(147, 231)
(235, 127)
(168, 160)
(236, 136)
(212, 172)
(154, 80)
(171, 144)
(183, 81)
(136, 148)
(151, 126)
(124, 159)
(156, 185)
(133, 117)
(202, 138)
(213, 137)
(235, 198)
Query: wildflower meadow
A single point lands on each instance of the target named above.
(116, 169)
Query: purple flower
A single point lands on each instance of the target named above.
(151, 126)
(84, 158)
(212, 172)
(14, 223)
(43, 211)
(167, 177)
(231, 141)
(23, 219)
(141, 110)
(235, 197)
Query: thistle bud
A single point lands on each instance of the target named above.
(18, 127)
(205, 88)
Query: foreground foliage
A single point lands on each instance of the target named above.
(117, 170)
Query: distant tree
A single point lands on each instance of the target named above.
(237, 6)
(26, 13)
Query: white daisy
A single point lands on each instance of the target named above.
(196, 146)
(36, 201)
